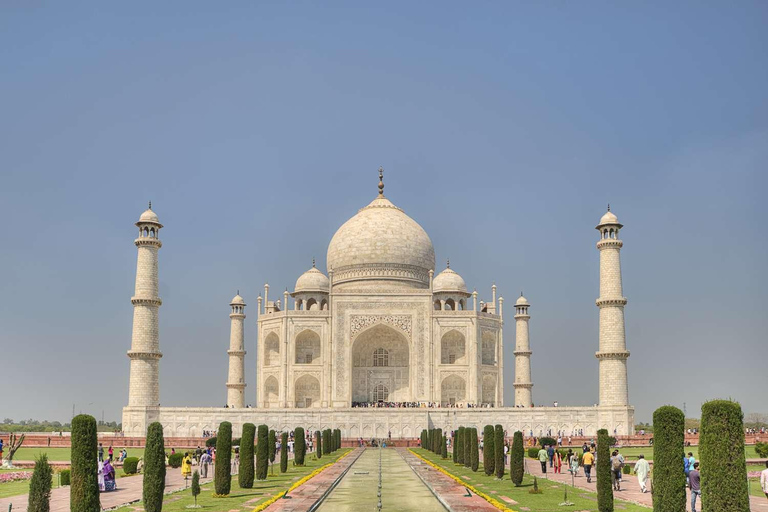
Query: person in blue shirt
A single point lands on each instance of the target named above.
(550, 454)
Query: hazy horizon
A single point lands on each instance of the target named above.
(256, 130)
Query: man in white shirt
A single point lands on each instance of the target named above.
(764, 479)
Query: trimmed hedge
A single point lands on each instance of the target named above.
(299, 446)
(284, 452)
(721, 450)
(668, 452)
(84, 491)
(40, 486)
(454, 452)
(318, 445)
(65, 476)
(533, 452)
(547, 441)
(438, 440)
(272, 440)
(475, 464)
(130, 465)
(210, 442)
(222, 479)
(444, 450)
(327, 441)
(246, 474)
(516, 464)
(489, 454)
(174, 460)
(467, 447)
(761, 449)
(262, 453)
(498, 451)
(604, 484)
(459, 445)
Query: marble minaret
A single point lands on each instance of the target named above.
(523, 384)
(144, 387)
(236, 352)
(612, 352)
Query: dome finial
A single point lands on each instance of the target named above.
(313, 262)
(150, 205)
(448, 263)
(238, 292)
(381, 181)
(609, 206)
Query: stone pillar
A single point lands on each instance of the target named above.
(144, 387)
(523, 384)
(612, 353)
(236, 352)
(500, 359)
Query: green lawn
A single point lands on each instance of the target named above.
(178, 502)
(548, 501)
(9, 489)
(64, 454)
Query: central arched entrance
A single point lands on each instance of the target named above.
(380, 370)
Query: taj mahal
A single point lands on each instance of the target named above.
(380, 327)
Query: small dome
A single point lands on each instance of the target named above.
(609, 218)
(312, 281)
(238, 300)
(149, 216)
(521, 301)
(448, 281)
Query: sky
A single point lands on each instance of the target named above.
(256, 129)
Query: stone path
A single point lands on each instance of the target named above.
(450, 492)
(301, 499)
(630, 488)
(128, 491)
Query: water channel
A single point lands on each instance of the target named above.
(401, 489)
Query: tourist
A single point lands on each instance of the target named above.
(110, 452)
(616, 470)
(198, 453)
(558, 462)
(205, 460)
(686, 467)
(101, 452)
(550, 454)
(588, 460)
(1, 451)
(642, 469)
(543, 459)
(764, 479)
(186, 465)
(100, 474)
(506, 451)
(691, 460)
(109, 476)
(574, 463)
(694, 482)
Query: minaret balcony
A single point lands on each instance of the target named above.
(139, 354)
(609, 244)
(146, 301)
(139, 242)
(620, 355)
(621, 301)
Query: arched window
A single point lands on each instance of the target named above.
(437, 305)
(450, 305)
(324, 305)
(311, 304)
(380, 393)
(381, 357)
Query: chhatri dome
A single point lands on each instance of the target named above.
(381, 243)
(449, 281)
(149, 216)
(521, 301)
(312, 281)
(237, 300)
(609, 218)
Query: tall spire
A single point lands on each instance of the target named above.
(313, 262)
(381, 181)
(609, 206)
(150, 205)
(448, 263)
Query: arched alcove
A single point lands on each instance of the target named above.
(452, 348)
(453, 390)
(307, 347)
(272, 350)
(307, 391)
(380, 355)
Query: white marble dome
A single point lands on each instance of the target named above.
(449, 281)
(312, 281)
(609, 218)
(149, 216)
(381, 242)
(521, 301)
(237, 300)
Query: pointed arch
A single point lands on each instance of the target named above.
(453, 348)
(453, 390)
(307, 347)
(307, 391)
(271, 391)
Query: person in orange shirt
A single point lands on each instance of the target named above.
(588, 460)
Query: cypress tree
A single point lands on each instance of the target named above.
(154, 469)
(459, 446)
(326, 441)
(284, 452)
(84, 484)
(431, 439)
(222, 478)
(438, 440)
(498, 449)
(338, 438)
(195, 485)
(604, 484)
(723, 465)
(516, 468)
(272, 440)
(245, 476)
(424, 443)
(668, 476)
(299, 446)
(444, 450)
(454, 451)
(489, 453)
(40, 486)
(475, 453)
(318, 444)
(467, 441)
(262, 452)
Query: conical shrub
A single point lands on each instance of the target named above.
(153, 485)
(246, 473)
(40, 486)
(223, 474)
(84, 486)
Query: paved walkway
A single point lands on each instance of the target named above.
(301, 499)
(630, 488)
(128, 491)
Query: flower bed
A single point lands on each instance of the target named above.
(297, 484)
(15, 476)
(493, 501)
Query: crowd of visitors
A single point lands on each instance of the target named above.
(416, 405)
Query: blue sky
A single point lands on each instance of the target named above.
(504, 127)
